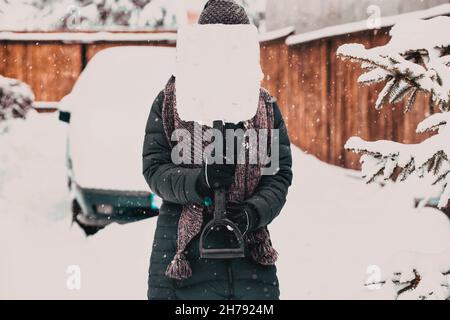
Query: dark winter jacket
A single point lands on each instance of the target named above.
(177, 186)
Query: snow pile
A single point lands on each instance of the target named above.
(109, 108)
(333, 236)
(16, 99)
(210, 59)
(39, 245)
(336, 236)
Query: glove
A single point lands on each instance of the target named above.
(215, 176)
(244, 216)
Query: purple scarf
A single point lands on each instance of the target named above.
(246, 180)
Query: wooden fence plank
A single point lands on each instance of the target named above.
(3, 48)
(64, 65)
(50, 69)
(15, 61)
(295, 119)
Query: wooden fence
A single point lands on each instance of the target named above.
(322, 102)
(52, 67)
(320, 98)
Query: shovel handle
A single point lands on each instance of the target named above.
(220, 206)
(220, 212)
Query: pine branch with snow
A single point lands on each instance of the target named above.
(416, 276)
(16, 99)
(409, 65)
(429, 158)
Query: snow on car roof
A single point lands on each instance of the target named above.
(110, 104)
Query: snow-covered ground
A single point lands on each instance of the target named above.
(332, 231)
(38, 245)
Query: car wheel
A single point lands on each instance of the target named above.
(78, 211)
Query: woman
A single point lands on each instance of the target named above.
(254, 200)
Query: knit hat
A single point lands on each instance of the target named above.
(223, 12)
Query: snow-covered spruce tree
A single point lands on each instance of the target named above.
(16, 99)
(417, 59)
(102, 14)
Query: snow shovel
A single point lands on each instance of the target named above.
(219, 224)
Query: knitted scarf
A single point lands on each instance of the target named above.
(246, 180)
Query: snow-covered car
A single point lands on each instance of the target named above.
(107, 112)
